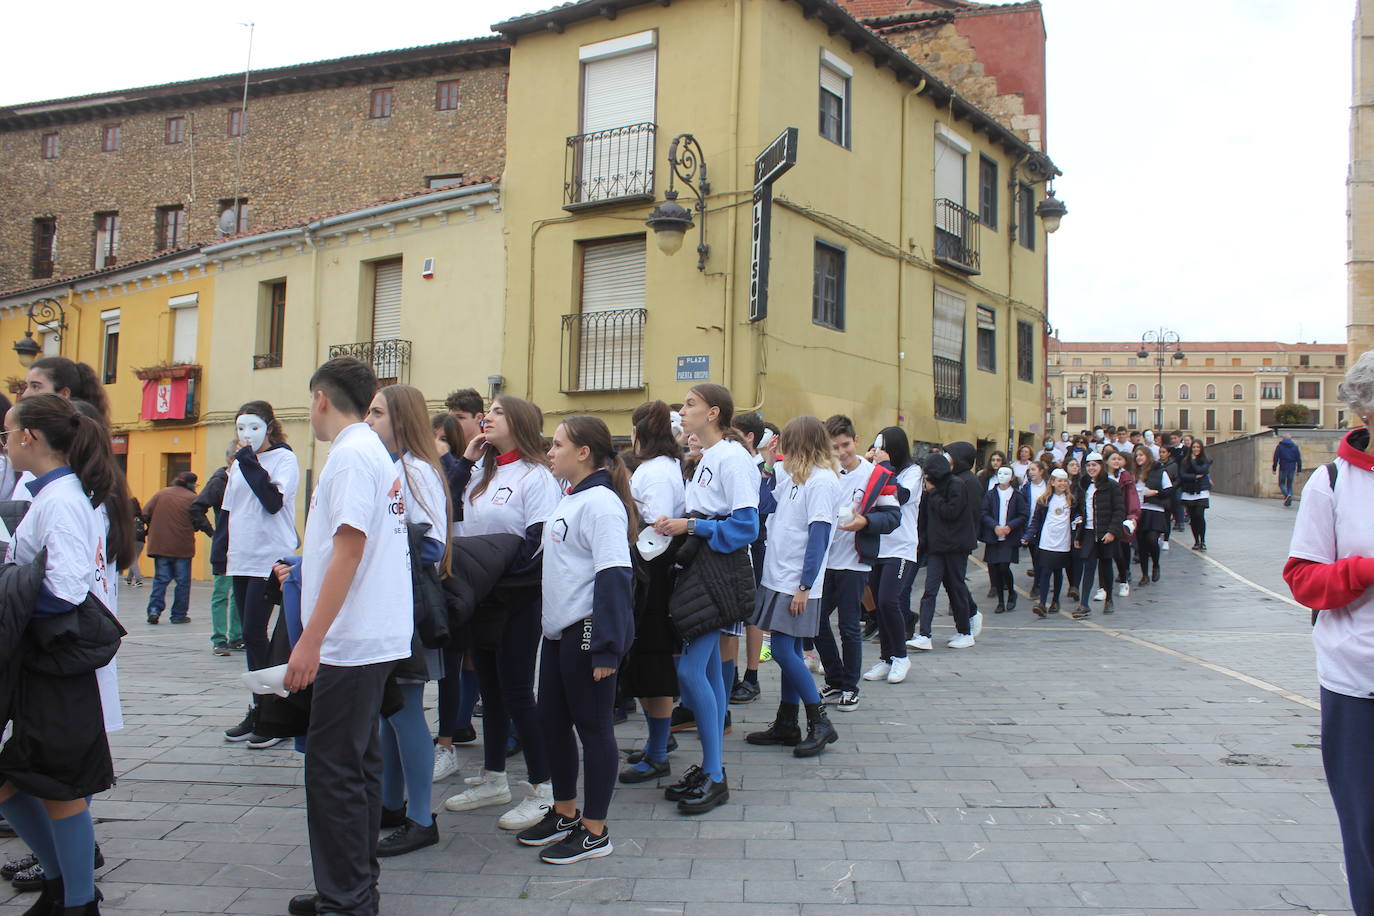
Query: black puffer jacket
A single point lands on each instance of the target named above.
(19, 588)
(713, 589)
(480, 566)
(962, 456)
(1109, 508)
(946, 509)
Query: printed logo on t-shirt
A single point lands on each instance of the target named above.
(100, 567)
(558, 531)
(704, 477)
(857, 495)
(795, 490)
(502, 496)
(396, 498)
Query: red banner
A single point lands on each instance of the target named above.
(164, 399)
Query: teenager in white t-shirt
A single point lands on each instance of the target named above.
(649, 673)
(358, 619)
(260, 499)
(1050, 535)
(399, 418)
(722, 516)
(788, 604)
(511, 493)
(894, 571)
(588, 624)
(59, 718)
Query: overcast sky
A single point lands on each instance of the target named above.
(1181, 130)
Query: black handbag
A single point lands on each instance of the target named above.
(431, 608)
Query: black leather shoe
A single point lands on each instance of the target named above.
(656, 770)
(152, 619)
(682, 719)
(410, 837)
(303, 905)
(746, 692)
(705, 796)
(391, 819)
(689, 781)
(637, 754)
(49, 901)
(465, 735)
(1011, 600)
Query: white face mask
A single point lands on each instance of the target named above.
(251, 429)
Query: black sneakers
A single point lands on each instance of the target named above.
(552, 828)
(408, 838)
(579, 844)
(831, 694)
(243, 731)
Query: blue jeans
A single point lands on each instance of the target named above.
(168, 569)
(1286, 474)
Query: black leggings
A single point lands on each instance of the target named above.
(1147, 550)
(1051, 568)
(250, 597)
(506, 676)
(890, 580)
(1000, 576)
(1197, 518)
(570, 700)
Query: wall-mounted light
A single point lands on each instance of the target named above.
(670, 220)
(49, 315)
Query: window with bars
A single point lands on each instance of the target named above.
(171, 227)
(827, 286)
(52, 146)
(109, 138)
(603, 343)
(106, 239)
(380, 104)
(987, 339)
(44, 246)
(947, 345)
(834, 99)
(238, 122)
(1025, 351)
(987, 192)
(446, 95)
(175, 130)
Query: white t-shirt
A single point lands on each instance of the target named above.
(1004, 497)
(659, 490)
(1019, 469)
(1329, 528)
(22, 492)
(520, 495)
(819, 499)
(1035, 490)
(107, 677)
(900, 543)
(726, 479)
(1088, 507)
(587, 533)
(257, 538)
(360, 487)
(1056, 530)
(844, 551)
(424, 495)
(62, 519)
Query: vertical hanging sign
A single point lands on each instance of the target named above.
(776, 158)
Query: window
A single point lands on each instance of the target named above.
(44, 246)
(1105, 418)
(1304, 360)
(1271, 391)
(1025, 351)
(1132, 417)
(51, 146)
(1340, 417)
(1238, 393)
(1211, 392)
(1158, 417)
(109, 138)
(106, 239)
(1185, 418)
(175, 130)
(1309, 391)
(834, 110)
(1314, 416)
(1267, 361)
(987, 339)
(238, 122)
(380, 103)
(386, 300)
(1078, 416)
(1159, 392)
(1106, 360)
(947, 344)
(446, 95)
(607, 335)
(614, 152)
(109, 356)
(185, 328)
(1025, 216)
(1209, 361)
(1210, 419)
(271, 325)
(239, 223)
(1183, 393)
(177, 463)
(1132, 392)
(1235, 361)
(1077, 361)
(1340, 361)
(1237, 419)
(827, 287)
(1078, 390)
(443, 181)
(987, 192)
(1267, 416)
(171, 227)
(1131, 360)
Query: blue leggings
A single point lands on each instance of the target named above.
(408, 757)
(797, 684)
(698, 677)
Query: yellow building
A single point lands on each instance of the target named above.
(1216, 390)
(907, 274)
(141, 326)
(411, 285)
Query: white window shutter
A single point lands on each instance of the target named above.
(386, 301)
(611, 339)
(948, 337)
(185, 327)
(617, 91)
(833, 82)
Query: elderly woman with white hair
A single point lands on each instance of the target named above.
(1330, 569)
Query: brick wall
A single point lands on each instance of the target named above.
(306, 153)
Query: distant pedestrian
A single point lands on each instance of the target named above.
(133, 576)
(1195, 486)
(1100, 510)
(1287, 464)
(172, 545)
(226, 628)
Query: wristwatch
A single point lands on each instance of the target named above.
(803, 588)
(691, 526)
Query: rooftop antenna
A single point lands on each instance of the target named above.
(236, 205)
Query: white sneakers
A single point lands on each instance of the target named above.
(961, 640)
(919, 642)
(487, 789)
(898, 669)
(1123, 589)
(445, 762)
(530, 811)
(975, 626)
(878, 672)
(1100, 595)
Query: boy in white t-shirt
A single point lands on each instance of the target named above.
(357, 612)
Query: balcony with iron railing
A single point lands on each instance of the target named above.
(957, 237)
(389, 359)
(603, 350)
(609, 166)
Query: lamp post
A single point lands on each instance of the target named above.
(1161, 339)
(670, 220)
(1090, 382)
(49, 315)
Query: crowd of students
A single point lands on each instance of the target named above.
(596, 576)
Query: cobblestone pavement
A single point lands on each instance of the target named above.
(1161, 759)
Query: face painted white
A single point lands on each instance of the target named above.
(251, 429)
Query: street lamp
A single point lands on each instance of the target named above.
(43, 312)
(1051, 211)
(1089, 382)
(1161, 340)
(670, 220)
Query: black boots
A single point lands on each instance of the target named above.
(1011, 599)
(784, 729)
(819, 732)
(49, 901)
(1001, 603)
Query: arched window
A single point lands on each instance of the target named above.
(1238, 393)
(1211, 392)
(1183, 392)
(1159, 391)
(1132, 392)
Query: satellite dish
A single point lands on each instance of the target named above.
(228, 221)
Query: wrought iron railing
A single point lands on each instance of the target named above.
(957, 237)
(609, 165)
(949, 389)
(603, 351)
(390, 359)
(267, 361)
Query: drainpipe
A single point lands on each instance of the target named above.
(728, 305)
(902, 241)
(1011, 301)
(309, 233)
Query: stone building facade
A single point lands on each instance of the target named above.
(320, 137)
